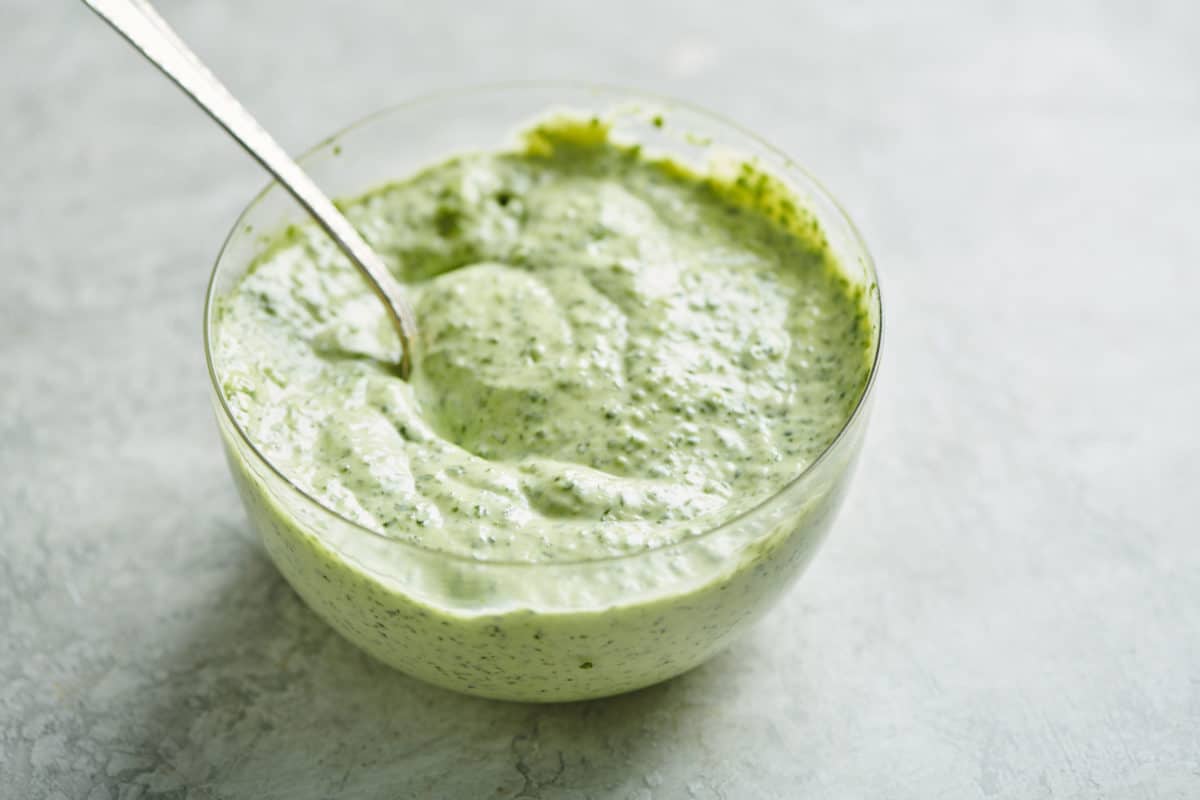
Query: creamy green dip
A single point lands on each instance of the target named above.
(616, 354)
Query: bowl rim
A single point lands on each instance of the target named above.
(628, 94)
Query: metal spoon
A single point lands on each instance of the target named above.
(149, 33)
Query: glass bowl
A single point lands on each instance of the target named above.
(520, 631)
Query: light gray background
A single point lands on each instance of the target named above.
(1010, 604)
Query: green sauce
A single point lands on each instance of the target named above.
(616, 354)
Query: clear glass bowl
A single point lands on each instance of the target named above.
(520, 631)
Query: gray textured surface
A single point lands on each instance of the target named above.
(1010, 605)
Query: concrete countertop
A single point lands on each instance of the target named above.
(1009, 605)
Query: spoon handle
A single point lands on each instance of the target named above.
(149, 33)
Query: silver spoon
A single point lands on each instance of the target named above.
(143, 28)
